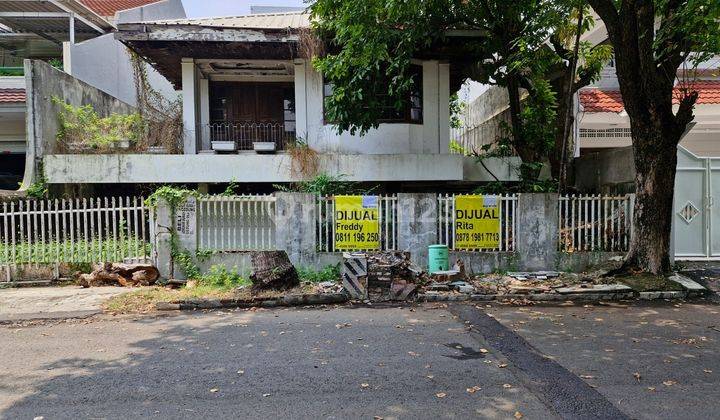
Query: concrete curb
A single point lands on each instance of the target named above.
(537, 297)
(289, 300)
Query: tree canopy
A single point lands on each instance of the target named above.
(523, 45)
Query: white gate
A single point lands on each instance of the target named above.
(696, 216)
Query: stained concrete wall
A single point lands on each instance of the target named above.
(251, 167)
(295, 217)
(43, 82)
(537, 231)
(610, 171)
(417, 225)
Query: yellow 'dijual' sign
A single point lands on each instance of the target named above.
(477, 222)
(357, 225)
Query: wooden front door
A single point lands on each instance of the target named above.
(243, 102)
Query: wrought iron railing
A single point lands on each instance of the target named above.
(244, 134)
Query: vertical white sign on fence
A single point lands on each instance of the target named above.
(186, 224)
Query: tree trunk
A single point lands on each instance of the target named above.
(655, 169)
(556, 156)
(273, 270)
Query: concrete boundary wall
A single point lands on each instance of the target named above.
(295, 226)
(43, 82)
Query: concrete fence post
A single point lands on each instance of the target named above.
(417, 225)
(537, 231)
(184, 224)
(161, 238)
(295, 233)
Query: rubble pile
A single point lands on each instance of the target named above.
(381, 276)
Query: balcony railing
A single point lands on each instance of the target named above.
(244, 134)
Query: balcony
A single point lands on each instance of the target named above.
(229, 137)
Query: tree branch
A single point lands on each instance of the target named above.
(608, 13)
(685, 115)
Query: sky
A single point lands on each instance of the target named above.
(202, 8)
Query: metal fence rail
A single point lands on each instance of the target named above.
(244, 134)
(326, 223)
(236, 223)
(446, 222)
(595, 223)
(74, 231)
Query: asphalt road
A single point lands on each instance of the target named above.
(391, 362)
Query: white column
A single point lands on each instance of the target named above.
(67, 57)
(301, 115)
(431, 114)
(72, 28)
(204, 114)
(443, 108)
(189, 89)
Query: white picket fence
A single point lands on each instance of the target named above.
(74, 231)
(325, 225)
(595, 223)
(236, 223)
(446, 222)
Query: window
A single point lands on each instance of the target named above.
(411, 113)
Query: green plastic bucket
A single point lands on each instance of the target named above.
(438, 258)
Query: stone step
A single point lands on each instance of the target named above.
(597, 288)
(687, 283)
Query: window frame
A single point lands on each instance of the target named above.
(407, 113)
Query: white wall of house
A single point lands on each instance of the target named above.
(104, 62)
(168, 9)
(430, 137)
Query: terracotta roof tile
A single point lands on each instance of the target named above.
(12, 95)
(107, 8)
(598, 100)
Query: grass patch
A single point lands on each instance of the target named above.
(144, 300)
(328, 273)
(221, 277)
(649, 283)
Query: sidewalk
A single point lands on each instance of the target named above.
(53, 302)
(707, 274)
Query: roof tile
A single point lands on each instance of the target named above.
(598, 100)
(12, 95)
(108, 8)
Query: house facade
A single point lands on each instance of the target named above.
(249, 94)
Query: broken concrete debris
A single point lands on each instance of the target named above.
(380, 275)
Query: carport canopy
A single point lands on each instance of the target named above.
(53, 20)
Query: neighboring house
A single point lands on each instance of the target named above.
(604, 124)
(78, 36)
(246, 87)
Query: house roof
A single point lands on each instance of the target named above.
(108, 8)
(12, 95)
(599, 100)
(292, 20)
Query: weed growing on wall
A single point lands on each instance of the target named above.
(82, 126)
